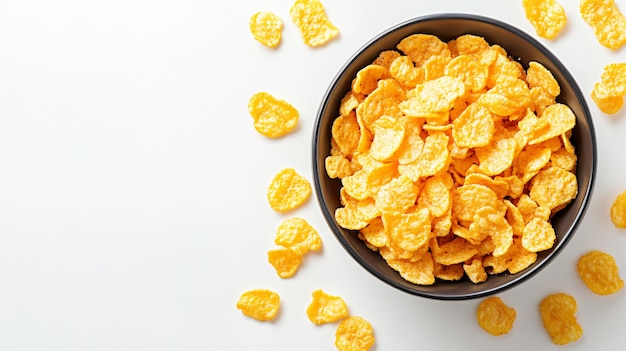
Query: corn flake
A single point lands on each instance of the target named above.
(285, 261)
(558, 314)
(606, 20)
(266, 27)
(547, 17)
(420, 47)
(288, 190)
(495, 317)
(298, 235)
(260, 304)
(325, 308)
(608, 94)
(618, 211)
(310, 18)
(273, 117)
(599, 271)
(354, 334)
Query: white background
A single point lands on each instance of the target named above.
(133, 205)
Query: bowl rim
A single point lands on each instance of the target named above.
(530, 271)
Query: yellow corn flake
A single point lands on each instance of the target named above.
(260, 304)
(495, 158)
(433, 158)
(349, 103)
(554, 187)
(606, 20)
(349, 217)
(266, 27)
(618, 211)
(600, 273)
(412, 144)
(560, 118)
(325, 308)
(471, 72)
(538, 235)
(409, 231)
(312, 22)
(386, 58)
(475, 127)
(495, 317)
(508, 96)
(499, 186)
(450, 273)
(354, 334)
(608, 94)
(538, 75)
(285, 261)
(435, 196)
(383, 101)
(404, 71)
(468, 199)
(419, 272)
(388, 136)
(337, 167)
(367, 79)
(397, 195)
(433, 97)
(288, 190)
(469, 44)
(558, 314)
(273, 117)
(298, 235)
(420, 47)
(458, 250)
(546, 16)
(346, 133)
(374, 233)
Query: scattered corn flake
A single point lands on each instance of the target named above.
(618, 211)
(266, 27)
(298, 235)
(354, 334)
(606, 20)
(495, 317)
(600, 273)
(546, 16)
(285, 261)
(260, 304)
(311, 19)
(558, 314)
(608, 94)
(325, 308)
(273, 117)
(288, 190)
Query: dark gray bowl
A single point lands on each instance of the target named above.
(519, 45)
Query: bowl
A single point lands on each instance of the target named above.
(520, 46)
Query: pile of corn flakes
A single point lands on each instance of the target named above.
(453, 159)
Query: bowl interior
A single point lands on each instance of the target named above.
(521, 47)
